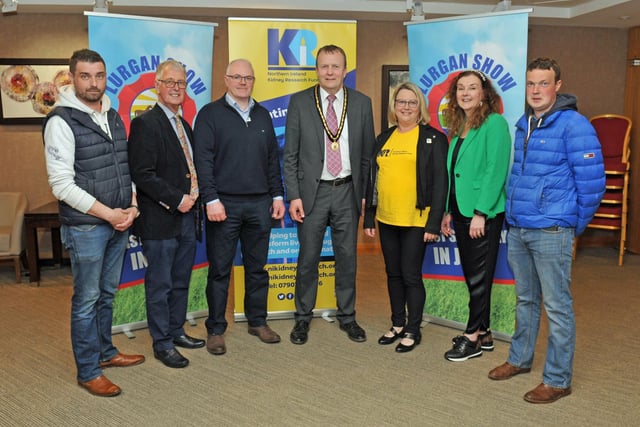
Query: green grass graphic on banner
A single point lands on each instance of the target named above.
(129, 304)
(449, 299)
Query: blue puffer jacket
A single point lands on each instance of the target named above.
(557, 176)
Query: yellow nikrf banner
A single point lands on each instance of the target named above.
(283, 55)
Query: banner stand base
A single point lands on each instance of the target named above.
(191, 317)
(325, 313)
(128, 328)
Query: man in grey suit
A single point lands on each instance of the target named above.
(328, 144)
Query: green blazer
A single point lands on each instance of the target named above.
(481, 168)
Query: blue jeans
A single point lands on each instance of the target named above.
(97, 253)
(541, 263)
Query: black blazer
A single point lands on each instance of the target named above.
(161, 174)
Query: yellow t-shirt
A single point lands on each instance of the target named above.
(397, 181)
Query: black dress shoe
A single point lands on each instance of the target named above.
(355, 332)
(188, 342)
(171, 358)
(401, 348)
(385, 340)
(300, 332)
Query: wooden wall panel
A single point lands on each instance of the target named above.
(632, 110)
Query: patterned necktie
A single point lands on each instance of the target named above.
(334, 162)
(187, 154)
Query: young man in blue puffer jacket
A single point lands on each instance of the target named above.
(555, 186)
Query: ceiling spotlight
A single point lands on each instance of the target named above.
(502, 6)
(415, 7)
(100, 6)
(9, 7)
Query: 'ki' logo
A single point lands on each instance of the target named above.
(293, 50)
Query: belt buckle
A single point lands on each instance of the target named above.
(338, 181)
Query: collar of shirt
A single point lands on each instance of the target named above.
(243, 113)
(337, 104)
(170, 115)
(168, 112)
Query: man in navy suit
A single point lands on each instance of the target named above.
(161, 162)
(329, 141)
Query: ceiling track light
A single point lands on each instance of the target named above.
(101, 6)
(415, 7)
(502, 6)
(9, 7)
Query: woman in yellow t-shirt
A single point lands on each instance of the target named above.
(406, 194)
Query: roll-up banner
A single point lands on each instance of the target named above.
(283, 53)
(132, 47)
(495, 44)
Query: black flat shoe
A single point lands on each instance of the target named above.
(385, 340)
(401, 348)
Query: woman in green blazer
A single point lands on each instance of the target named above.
(477, 163)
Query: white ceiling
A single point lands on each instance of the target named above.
(587, 13)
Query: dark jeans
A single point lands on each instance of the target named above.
(403, 249)
(166, 283)
(478, 258)
(248, 220)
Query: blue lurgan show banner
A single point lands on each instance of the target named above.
(495, 44)
(283, 55)
(132, 47)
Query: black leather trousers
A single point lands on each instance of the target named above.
(478, 258)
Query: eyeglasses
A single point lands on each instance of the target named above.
(238, 77)
(172, 83)
(412, 103)
(541, 85)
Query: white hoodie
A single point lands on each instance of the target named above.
(59, 145)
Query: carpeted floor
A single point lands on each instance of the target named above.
(328, 381)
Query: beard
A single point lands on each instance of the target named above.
(92, 94)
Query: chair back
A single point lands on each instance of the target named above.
(12, 209)
(614, 133)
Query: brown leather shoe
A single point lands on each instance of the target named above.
(122, 360)
(215, 345)
(265, 333)
(506, 371)
(101, 386)
(546, 394)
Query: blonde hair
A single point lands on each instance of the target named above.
(423, 117)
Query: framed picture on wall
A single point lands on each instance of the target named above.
(29, 88)
(392, 76)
